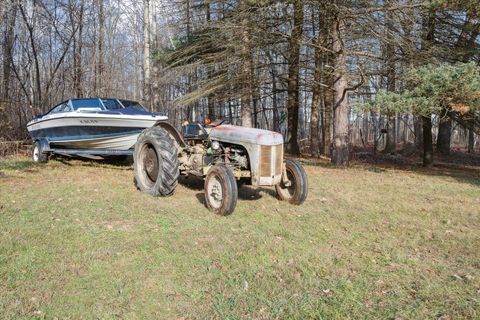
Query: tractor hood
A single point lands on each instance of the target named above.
(240, 135)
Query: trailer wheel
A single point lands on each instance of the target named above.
(221, 191)
(297, 191)
(37, 153)
(155, 163)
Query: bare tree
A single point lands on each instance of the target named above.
(146, 54)
(340, 155)
(7, 47)
(293, 78)
(246, 60)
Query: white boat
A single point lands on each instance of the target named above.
(92, 126)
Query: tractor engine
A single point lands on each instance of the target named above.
(233, 155)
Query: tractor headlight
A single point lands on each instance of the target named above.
(215, 145)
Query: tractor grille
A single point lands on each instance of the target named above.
(271, 160)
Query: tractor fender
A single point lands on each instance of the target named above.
(172, 131)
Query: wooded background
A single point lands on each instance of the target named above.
(297, 67)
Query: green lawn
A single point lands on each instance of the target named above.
(77, 240)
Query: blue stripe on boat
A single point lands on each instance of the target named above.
(82, 132)
(95, 136)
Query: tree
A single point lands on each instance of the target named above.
(101, 44)
(316, 97)
(146, 53)
(246, 61)
(435, 89)
(7, 48)
(293, 78)
(390, 72)
(340, 155)
(76, 19)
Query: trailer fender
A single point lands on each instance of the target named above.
(44, 145)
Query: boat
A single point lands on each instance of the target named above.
(92, 126)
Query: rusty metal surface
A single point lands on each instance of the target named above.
(271, 159)
(265, 161)
(278, 160)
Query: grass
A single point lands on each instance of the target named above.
(78, 241)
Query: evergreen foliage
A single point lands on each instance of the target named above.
(431, 89)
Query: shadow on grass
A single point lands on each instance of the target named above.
(462, 173)
(245, 192)
(191, 182)
(120, 163)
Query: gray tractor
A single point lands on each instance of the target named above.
(226, 156)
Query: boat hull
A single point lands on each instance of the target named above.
(91, 131)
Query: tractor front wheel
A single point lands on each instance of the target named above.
(221, 191)
(295, 189)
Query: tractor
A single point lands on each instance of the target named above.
(224, 155)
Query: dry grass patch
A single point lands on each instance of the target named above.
(77, 240)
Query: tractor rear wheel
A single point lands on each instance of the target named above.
(221, 191)
(296, 192)
(155, 163)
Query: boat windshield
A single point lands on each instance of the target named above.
(112, 104)
(132, 104)
(62, 107)
(82, 104)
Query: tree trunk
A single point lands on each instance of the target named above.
(230, 111)
(211, 106)
(327, 125)
(391, 145)
(246, 53)
(37, 91)
(275, 120)
(155, 64)
(340, 155)
(427, 141)
(365, 128)
(77, 55)
(293, 79)
(316, 118)
(444, 135)
(316, 104)
(255, 87)
(428, 40)
(418, 131)
(146, 54)
(10, 17)
(101, 36)
(391, 142)
(328, 81)
(471, 140)
(211, 96)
